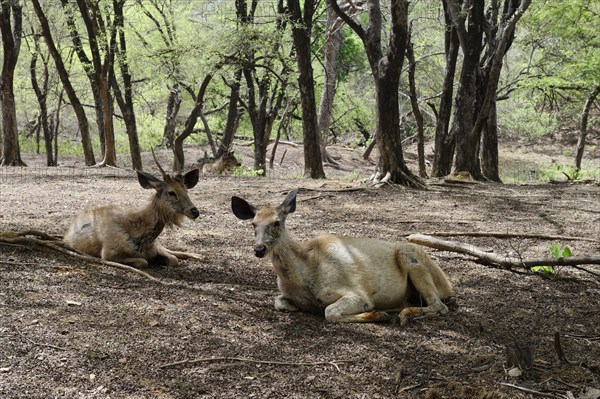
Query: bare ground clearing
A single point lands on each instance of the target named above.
(77, 331)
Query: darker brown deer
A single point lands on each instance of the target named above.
(224, 165)
(348, 279)
(129, 236)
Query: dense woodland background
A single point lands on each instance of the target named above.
(106, 80)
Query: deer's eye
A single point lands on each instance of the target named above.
(172, 194)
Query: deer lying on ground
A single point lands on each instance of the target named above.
(225, 164)
(350, 279)
(128, 236)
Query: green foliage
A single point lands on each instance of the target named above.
(242, 171)
(560, 171)
(558, 252)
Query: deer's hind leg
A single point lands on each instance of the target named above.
(427, 278)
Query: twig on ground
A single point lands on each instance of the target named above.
(187, 362)
(38, 343)
(559, 350)
(534, 392)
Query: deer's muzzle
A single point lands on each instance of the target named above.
(260, 250)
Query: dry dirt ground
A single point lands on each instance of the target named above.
(69, 329)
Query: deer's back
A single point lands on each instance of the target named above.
(94, 227)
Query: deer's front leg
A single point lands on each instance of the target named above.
(353, 309)
(285, 305)
(172, 260)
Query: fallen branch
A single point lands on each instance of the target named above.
(34, 343)
(495, 234)
(500, 260)
(534, 392)
(187, 362)
(55, 244)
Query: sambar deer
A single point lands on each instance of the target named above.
(225, 164)
(129, 236)
(350, 279)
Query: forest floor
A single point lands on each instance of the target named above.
(69, 329)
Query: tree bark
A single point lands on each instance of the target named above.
(179, 158)
(232, 117)
(467, 140)
(583, 126)
(82, 120)
(41, 94)
(301, 31)
(333, 42)
(444, 142)
(414, 102)
(489, 146)
(11, 43)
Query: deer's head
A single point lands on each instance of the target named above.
(268, 222)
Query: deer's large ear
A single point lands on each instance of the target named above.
(191, 178)
(242, 209)
(289, 203)
(147, 180)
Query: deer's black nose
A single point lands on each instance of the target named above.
(260, 250)
(195, 212)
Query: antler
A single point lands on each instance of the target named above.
(164, 175)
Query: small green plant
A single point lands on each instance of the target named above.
(558, 252)
(560, 170)
(240, 171)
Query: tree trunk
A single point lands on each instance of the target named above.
(41, 94)
(172, 110)
(414, 102)
(179, 159)
(489, 147)
(583, 126)
(467, 140)
(444, 142)
(386, 69)
(82, 121)
(232, 117)
(333, 42)
(11, 43)
(301, 31)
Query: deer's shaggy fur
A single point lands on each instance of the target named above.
(129, 235)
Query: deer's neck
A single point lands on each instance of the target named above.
(150, 221)
(290, 260)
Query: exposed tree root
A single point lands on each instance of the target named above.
(496, 234)
(187, 362)
(46, 241)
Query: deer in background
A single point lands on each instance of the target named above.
(129, 236)
(349, 279)
(225, 164)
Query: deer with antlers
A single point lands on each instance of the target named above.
(129, 236)
(348, 279)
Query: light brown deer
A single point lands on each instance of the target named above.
(349, 279)
(129, 236)
(225, 164)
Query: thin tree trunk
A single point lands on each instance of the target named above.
(232, 117)
(41, 94)
(489, 147)
(82, 121)
(333, 42)
(301, 31)
(444, 142)
(414, 102)
(583, 126)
